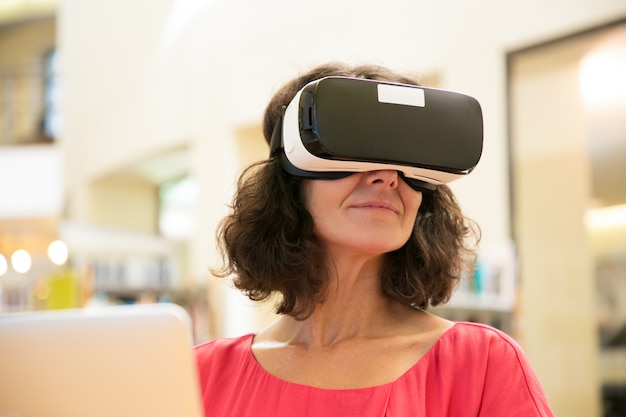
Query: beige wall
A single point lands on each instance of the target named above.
(126, 202)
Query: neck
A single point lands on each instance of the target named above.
(353, 306)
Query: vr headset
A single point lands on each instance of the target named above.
(336, 126)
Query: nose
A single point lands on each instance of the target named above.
(386, 177)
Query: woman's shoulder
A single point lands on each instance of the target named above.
(478, 345)
(484, 369)
(478, 334)
(483, 350)
(491, 359)
(223, 350)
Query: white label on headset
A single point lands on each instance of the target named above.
(396, 94)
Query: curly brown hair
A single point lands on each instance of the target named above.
(267, 241)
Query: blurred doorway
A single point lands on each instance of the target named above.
(567, 120)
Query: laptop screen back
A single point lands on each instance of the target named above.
(102, 362)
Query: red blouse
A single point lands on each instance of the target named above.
(472, 370)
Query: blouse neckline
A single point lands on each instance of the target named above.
(423, 359)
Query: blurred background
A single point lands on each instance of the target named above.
(124, 123)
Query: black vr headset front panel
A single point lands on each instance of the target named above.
(352, 124)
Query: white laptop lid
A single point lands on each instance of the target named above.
(113, 361)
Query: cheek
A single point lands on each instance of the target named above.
(307, 196)
(316, 207)
(310, 196)
(412, 201)
(412, 205)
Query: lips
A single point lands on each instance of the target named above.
(377, 204)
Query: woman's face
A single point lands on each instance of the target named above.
(368, 213)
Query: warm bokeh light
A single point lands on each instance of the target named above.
(606, 217)
(58, 253)
(602, 80)
(3, 265)
(21, 262)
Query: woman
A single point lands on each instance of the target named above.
(355, 262)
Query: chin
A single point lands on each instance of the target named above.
(378, 249)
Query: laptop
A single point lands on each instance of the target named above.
(113, 361)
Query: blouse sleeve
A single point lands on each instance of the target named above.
(511, 387)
